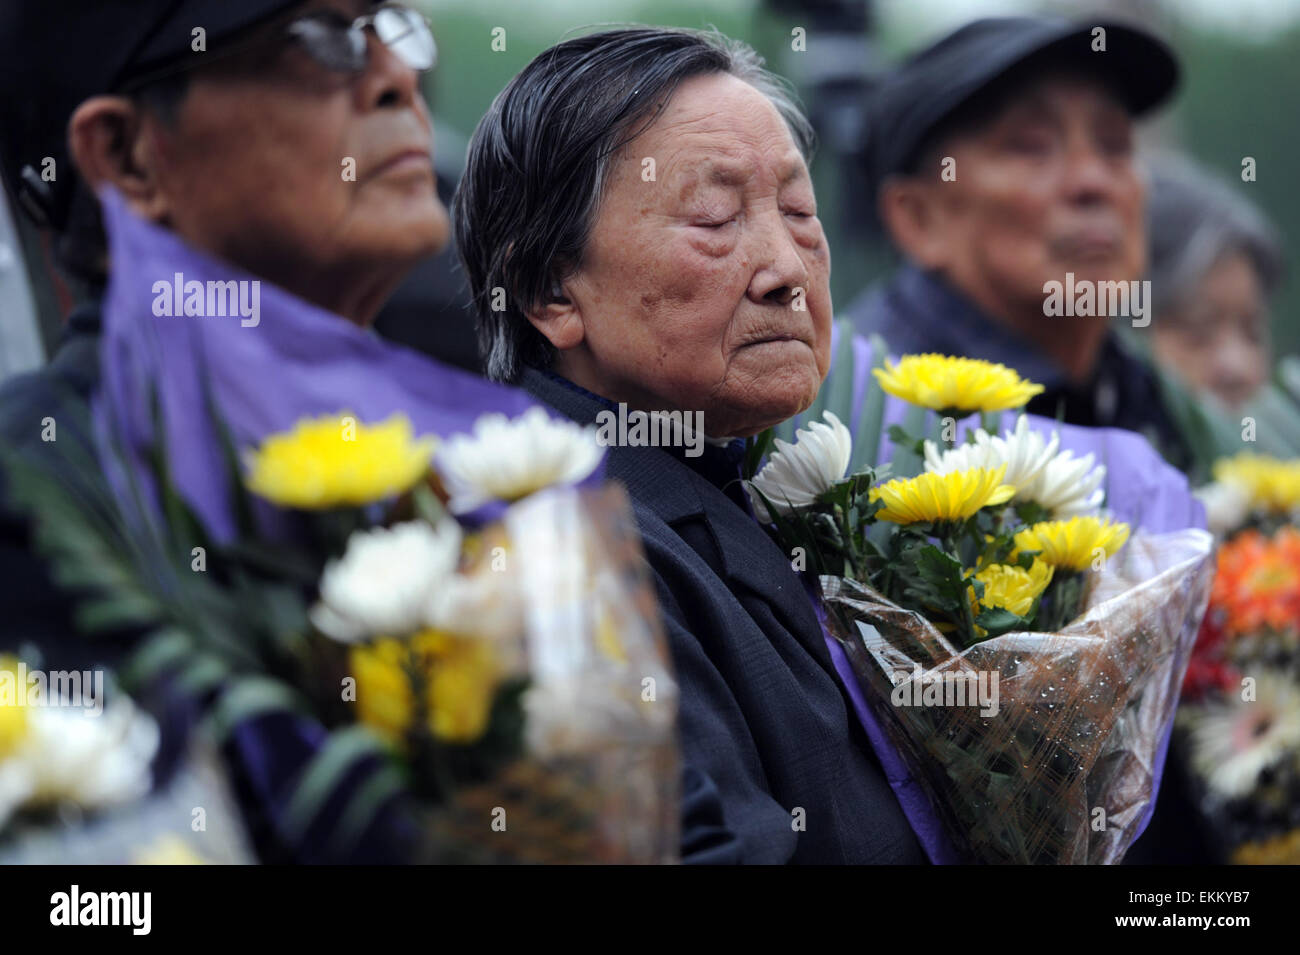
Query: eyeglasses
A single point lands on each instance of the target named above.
(341, 46)
(334, 42)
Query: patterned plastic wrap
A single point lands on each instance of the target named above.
(1033, 747)
(599, 780)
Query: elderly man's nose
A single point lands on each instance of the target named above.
(1089, 175)
(387, 81)
(780, 270)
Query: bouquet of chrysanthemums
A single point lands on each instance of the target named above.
(1240, 719)
(1018, 649)
(459, 611)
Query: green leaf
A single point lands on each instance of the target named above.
(998, 620)
(201, 674)
(941, 570)
(785, 431)
(866, 439)
(906, 459)
(341, 751)
(121, 610)
(386, 783)
(248, 698)
(427, 505)
(814, 411)
(756, 449)
(838, 386)
(160, 651)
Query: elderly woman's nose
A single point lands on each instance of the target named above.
(1237, 362)
(779, 268)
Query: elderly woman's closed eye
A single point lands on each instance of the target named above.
(639, 227)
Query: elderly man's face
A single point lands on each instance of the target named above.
(1050, 186)
(706, 288)
(305, 176)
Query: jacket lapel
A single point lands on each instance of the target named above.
(665, 484)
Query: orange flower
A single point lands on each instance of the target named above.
(1258, 582)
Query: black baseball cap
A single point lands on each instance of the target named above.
(932, 86)
(56, 54)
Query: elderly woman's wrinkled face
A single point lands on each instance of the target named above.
(1218, 340)
(705, 281)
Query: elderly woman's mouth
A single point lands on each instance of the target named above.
(778, 340)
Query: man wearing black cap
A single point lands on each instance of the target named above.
(1003, 162)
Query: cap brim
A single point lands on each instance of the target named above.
(1140, 66)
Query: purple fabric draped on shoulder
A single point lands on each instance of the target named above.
(286, 360)
(1141, 489)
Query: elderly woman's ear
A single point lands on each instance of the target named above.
(558, 320)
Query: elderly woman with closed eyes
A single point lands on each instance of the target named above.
(639, 228)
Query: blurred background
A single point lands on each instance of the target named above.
(1241, 60)
(1241, 70)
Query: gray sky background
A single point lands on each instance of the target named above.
(1249, 18)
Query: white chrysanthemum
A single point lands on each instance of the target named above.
(1064, 485)
(795, 474)
(381, 585)
(486, 604)
(1068, 486)
(1024, 452)
(69, 757)
(1232, 742)
(1227, 505)
(507, 459)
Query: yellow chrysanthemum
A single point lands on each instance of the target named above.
(336, 460)
(1270, 483)
(460, 675)
(955, 385)
(1010, 587)
(168, 850)
(1074, 544)
(1278, 850)
(942, 497)
(13, 715)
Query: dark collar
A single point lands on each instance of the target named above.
(639, 468)
(677, 488)
(923, 313)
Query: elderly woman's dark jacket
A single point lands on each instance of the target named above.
(762, 712)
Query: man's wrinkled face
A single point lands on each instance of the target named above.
(707, 288)
(282, 166)
(1048, 186)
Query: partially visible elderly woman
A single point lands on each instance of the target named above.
(639, 228)
(1216, 263)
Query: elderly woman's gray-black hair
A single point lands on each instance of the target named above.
(539, 159)
(1195, 220)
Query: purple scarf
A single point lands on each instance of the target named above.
(298, 360)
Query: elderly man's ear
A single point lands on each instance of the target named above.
(113, 143)
(559, 319)
(910, 211)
